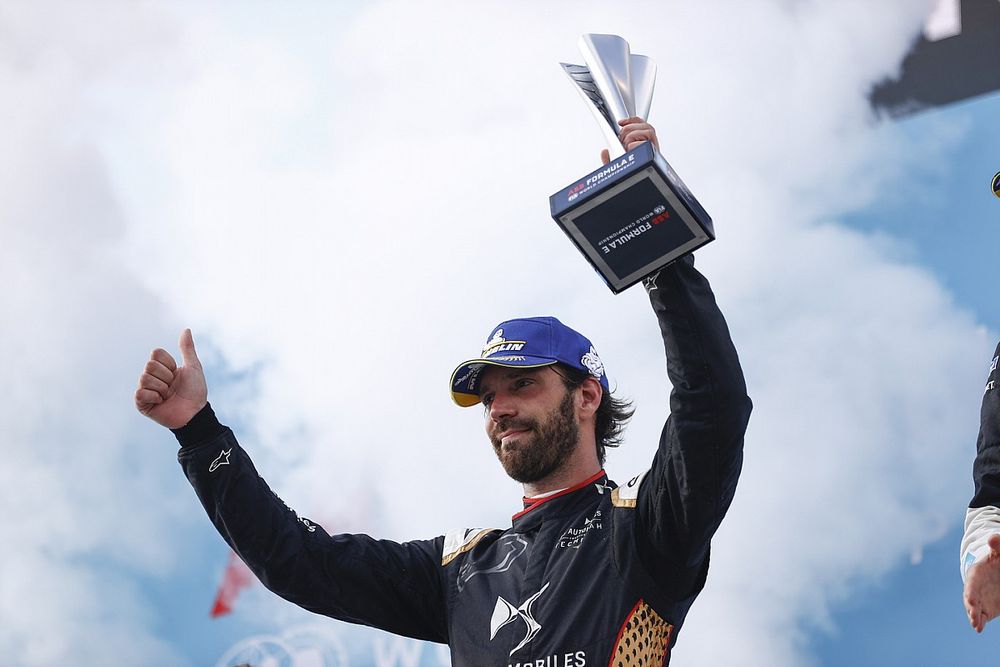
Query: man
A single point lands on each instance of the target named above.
(980, 560)
(588, 573)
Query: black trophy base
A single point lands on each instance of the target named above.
(632, 217)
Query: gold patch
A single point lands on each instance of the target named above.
(618, 501)
(451, 553)
(643, 640)
(627, 494)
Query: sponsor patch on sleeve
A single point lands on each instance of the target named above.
(626, 494)
(457, 542)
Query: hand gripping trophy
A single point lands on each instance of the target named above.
(634, 215)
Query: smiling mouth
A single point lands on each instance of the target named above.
(514, 432)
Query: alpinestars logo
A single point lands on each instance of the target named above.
(221, 460)
(505, 613)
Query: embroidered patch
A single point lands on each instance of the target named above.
(627, 494)
(509, 548)
(221, 460)
(500, 344)
(593, 363)
(573, 537)
(457, 542)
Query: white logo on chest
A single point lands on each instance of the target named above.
(504, 613)
(573, 537)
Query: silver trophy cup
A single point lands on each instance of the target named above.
(633, 216)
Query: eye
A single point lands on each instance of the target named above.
(520, 383)
(486, 399)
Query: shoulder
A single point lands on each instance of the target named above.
(627, 494)
(461, 540)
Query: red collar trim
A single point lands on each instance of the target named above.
(531, 504)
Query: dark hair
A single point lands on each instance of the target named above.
(612, 414)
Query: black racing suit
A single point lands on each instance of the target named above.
(594, 575)
(982, 519)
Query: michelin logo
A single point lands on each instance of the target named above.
(500, 344)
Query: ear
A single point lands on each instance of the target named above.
(590, 395)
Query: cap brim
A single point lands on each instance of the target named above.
(464, 393)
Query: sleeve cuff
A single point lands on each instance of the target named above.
(203, 427)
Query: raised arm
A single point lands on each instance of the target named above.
(690, 485)
(980, 559)
(355, 578)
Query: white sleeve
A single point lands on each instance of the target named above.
(980, 523)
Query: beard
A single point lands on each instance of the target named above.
(550, 444)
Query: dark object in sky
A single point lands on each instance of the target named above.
(948, 70)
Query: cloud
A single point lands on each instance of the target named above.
(345, 204)
(75, 463)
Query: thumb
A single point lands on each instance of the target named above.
(188, 353)
(605, 156)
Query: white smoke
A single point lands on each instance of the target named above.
(75, 469)
(346, 203)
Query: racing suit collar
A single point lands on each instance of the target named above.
(562, 501)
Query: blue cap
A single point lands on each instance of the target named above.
(530, 342)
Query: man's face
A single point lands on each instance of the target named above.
(530, 420)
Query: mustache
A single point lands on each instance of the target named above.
(514, 424)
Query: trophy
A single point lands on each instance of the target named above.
(634, 215)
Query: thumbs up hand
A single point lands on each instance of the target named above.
(170, 395)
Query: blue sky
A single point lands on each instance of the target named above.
(342, 201)
(947, 211)
(914, 616)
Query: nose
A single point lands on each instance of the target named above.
(502, 407)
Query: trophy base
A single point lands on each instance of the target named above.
(632, 217)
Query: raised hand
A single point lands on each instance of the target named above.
(168, 394)
(634, 131)
(982, 587)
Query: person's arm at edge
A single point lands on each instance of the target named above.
(980, 549)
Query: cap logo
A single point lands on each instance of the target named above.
(499, 344)
(470, 375)
(593, 363)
